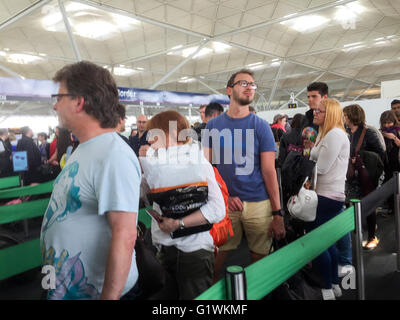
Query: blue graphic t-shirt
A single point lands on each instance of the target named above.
(236, 146)
(103, 174)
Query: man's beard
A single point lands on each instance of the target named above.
(243, 101)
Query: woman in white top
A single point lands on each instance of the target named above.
(331, 152)
(172, 166)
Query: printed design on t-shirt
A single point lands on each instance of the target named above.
(71, 282)
(65, 197)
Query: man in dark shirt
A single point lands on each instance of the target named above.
(27, 144)
(6, 168)
(213, 109)
(316, 92)
(395, 106)
(121, 125)
(141, 137)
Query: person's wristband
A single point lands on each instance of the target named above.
(277, 213)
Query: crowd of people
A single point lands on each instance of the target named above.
(90, 227)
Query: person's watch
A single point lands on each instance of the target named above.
(278, 212)
(181, 224)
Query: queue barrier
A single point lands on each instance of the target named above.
(25, 256)
(262, 277)
(268, 273)
(10, 182)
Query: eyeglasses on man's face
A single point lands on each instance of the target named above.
(57, 97)
(318, 111)
(244, 83)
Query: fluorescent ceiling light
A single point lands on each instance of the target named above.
(275, 64)
(306, 23)
(123, 72)
(3, 53)
(349, 12)
(254, 64)
(353, 48)
(21, 58)
(352, 44)
(187, 52)
(95, 29)
(186, 80)
(102, 24)
(220, 47)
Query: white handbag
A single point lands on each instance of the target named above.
(303, 206)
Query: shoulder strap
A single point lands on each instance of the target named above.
(360, 141)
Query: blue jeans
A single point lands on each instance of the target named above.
(345, 253)
(326, 263)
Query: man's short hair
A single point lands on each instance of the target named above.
(3, 131)
(231, 80)
(321, 87)
(25, 130)
(97, 86)
(395, 101)
(121, 111)
(42, 134)
(213, 107)
(202, 106)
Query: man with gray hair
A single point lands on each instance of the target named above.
(140, 139)
(89, 232)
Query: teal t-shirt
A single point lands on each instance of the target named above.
(103, 174)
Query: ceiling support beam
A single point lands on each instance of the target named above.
(160, 53)
(305, 88)
(286, 18)
(69, 30)
(23, 13)
(347, 90)
(277, 78)
(111, 9)
(302, 90)
(177, 67)
(365, 90)
(10, 72)
(207, 86)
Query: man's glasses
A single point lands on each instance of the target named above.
(245, 83)
(318, 111)
(57, 97)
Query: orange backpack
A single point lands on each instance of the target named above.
(220, 230)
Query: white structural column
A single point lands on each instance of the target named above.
(177, 67)
(69, 30)
(275, 84)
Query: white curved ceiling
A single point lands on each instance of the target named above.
(194, 45)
